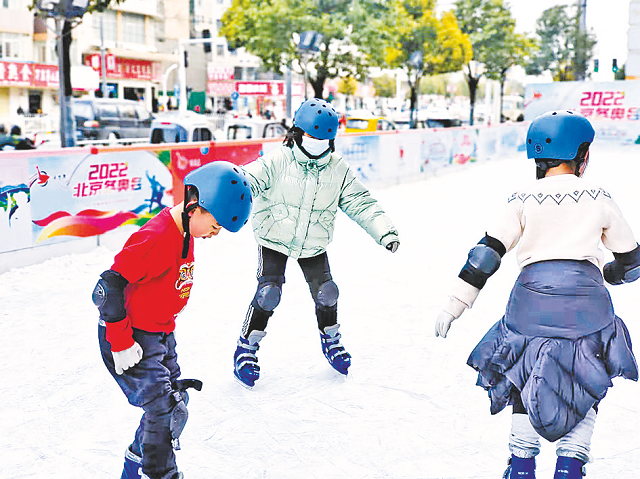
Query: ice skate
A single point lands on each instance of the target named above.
(569, 468)
(246, 368)
(333, 349)
(520, 468)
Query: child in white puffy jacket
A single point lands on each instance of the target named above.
(297, 190)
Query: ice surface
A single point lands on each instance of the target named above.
(409, 407)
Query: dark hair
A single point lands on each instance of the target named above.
(543, 165)
(191, 193)
(294, 134)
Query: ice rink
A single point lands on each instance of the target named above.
(409, 407)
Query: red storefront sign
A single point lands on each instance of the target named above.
(261, 88)
(217, 73)
(220, 88)
(34, 75)
(125, 68)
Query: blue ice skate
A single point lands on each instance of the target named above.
(520, 468)
(333, 350)
(246, 369)
(132, 466)
(569, 468)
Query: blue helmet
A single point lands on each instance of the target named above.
(557, 135)
(224, 191)
(317, 118)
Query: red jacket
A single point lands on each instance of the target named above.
(159, 280)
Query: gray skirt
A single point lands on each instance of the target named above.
(559, 344)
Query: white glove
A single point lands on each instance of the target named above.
(443, 323)
(128, 358)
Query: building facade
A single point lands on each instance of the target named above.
(129, 51)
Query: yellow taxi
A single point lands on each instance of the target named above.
(357, 124)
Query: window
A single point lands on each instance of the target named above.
(133, 28)
(127, 111)
(143, 114)
(173, 134)
(239, 132)
(109, 25)
(82, 110)
(202, 134)
(108, 110)
(358, 124)
(274, 131)
(9, 45)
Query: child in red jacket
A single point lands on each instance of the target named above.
(139, 298)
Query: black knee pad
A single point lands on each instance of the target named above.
(327, 294)
(108, 296)
(268, 296)
(179, 416)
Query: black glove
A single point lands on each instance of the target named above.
(393, 246)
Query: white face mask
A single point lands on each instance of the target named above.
(314, 146)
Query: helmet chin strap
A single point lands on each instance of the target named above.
(185, 223)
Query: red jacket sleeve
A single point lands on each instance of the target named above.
(120, 335)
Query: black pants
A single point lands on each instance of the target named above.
(149, 385)
(271, 269)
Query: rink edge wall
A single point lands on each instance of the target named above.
(73, 200)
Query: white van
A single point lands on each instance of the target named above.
(180, 129)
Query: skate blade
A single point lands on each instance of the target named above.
(243, 384)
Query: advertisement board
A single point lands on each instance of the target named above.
(616, 100)
(46, 199)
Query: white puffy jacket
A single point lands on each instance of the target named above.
(296, 200)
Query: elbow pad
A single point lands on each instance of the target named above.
(625, 268)
(108, 296)
(482, 262)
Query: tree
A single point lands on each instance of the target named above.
(68, 15)
(347, 86)
(487, 22)
(423, 44)
(565, 49)
(385, 86)
(514, 49)
(266, 28)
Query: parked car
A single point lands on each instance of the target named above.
(431, 117)
(443, 122)
(15, 142)
(110, 119)
(247, 129)
(362, 124)
(180, 129)
(512, 108)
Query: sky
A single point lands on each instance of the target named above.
(608, 19)
(409, 408)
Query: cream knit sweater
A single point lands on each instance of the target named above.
(559, 217)
(562, 217)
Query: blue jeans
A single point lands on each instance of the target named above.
(150, 384)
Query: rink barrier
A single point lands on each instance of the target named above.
(56, 202)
